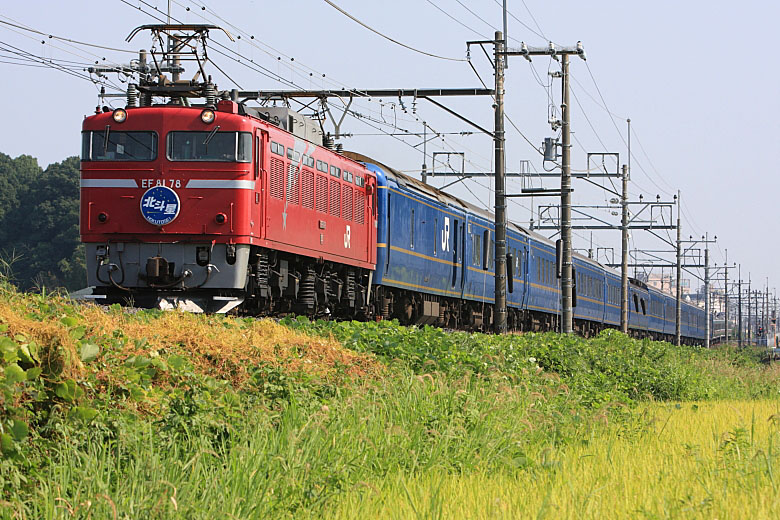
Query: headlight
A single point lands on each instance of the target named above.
(119, 115)
(207, 116)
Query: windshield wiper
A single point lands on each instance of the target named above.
(211, 135)
(105, 140)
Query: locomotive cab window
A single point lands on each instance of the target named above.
(120, 146)
(211, 146)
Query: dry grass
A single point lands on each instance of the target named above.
(218, 346)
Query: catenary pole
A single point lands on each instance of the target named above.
(624, 254)
(678, 296)
(708, 332)
(739, 305)
(500, 208)
(726, 294)
(750, 314)
(567, 284)
(566, 275)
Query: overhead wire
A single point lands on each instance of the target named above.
(351, 17)
(69, 40)
(12, 49)
(458, 21)
(295, 64)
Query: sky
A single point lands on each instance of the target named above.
(696, 79)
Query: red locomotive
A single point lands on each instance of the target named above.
(207, 207)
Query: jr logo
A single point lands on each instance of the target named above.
(347, 236)
(445, 235)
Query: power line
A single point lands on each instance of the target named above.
(23, 54)
(62, 38)
(518, 20)
(345, 13)
(293, 62)
(458, 21)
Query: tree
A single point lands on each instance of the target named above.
(39, 226)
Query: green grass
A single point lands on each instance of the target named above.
(106, 414)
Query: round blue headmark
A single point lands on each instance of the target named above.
(160, 205)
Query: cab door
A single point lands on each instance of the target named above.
(260, 174)
(371, 219)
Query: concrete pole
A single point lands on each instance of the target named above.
(624, 255)
(708, 332)
(750, 317)
(739, 306)
(500, 208)
(566, 276)
(726, 294)
(766, 312)
(424, 173)
(678, 298)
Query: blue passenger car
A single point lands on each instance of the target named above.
(435, 265)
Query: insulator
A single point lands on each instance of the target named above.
(132, 95)
(225, 95)
(327, 141)
(339, 147)
(307, 294)
(211, 95)
(146, 99)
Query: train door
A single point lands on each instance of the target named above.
(463, 244)
(371, 219)
(523, 253)
(260, 176)
(457, 272)
(389, 237)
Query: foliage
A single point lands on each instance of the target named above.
(609, 368)
(109, 413)
(39, 219)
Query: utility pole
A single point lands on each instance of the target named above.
(678, 298)
(500, 224)
(739, 306)
(424, 173)
(750, 317)
(566, 277)
(726, 294)
(624, 254)
(766, 312)
(708, 332)
(567, 283)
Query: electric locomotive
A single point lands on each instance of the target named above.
(211, 207)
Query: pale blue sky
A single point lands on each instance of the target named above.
(697, 79)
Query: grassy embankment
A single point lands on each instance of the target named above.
(105, 414)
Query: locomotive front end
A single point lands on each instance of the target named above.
(169, 205)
